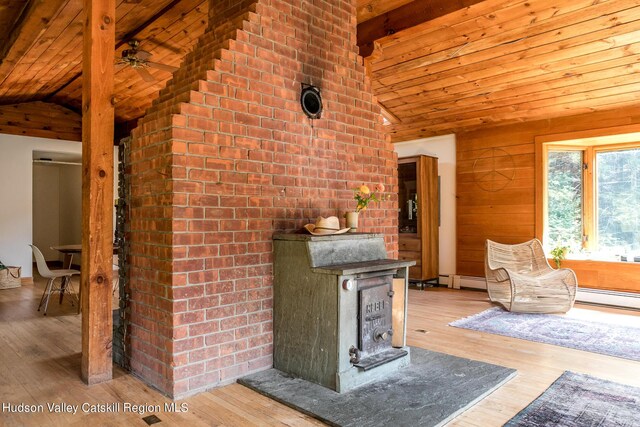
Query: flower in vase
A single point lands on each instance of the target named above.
(363, 196)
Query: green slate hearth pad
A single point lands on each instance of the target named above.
(431, 391)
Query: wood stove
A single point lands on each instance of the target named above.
(339, 309)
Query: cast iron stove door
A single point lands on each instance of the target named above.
(375, 322)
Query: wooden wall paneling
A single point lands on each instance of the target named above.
(505, 215)
(509, 215)
(514, 150)
(40, 119)
(528, 209)
(97, 190)
(620, 276)
(38, 133)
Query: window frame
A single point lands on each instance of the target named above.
(590, 143)
(586, 205)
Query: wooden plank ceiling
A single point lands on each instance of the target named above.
(437, 66)
(49, 67)
(506, 61)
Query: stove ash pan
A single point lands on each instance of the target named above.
(339, 325)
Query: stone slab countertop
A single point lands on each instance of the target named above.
(331, 237)
(363, 267)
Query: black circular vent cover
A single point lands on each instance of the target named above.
(311, 101)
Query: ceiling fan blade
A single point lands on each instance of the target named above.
(163, 67)
(146, 75)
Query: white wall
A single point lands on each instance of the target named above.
(16, 183)
(444, 148)
(46, 209)
(70, 205)
(57, 207)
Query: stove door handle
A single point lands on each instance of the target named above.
(354, 355)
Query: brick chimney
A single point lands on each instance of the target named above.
(223, 159)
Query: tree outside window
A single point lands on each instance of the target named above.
(595, 210)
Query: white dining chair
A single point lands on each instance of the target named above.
(116, 274)
(65, 286)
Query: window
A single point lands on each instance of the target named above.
(592, 198)
(564, 198)
(618, 200)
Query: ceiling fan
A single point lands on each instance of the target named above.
(139, 60)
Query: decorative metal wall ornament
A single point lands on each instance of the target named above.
(311, 101)
(494, 169)
(121, 322)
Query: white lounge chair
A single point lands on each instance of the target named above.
(520, 278)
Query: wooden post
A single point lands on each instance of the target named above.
(97, 189)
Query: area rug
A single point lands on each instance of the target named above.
(581, 400)
(597, 337)
(431, 391)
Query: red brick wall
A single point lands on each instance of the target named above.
(224, 159)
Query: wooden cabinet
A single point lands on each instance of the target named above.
(418, 221)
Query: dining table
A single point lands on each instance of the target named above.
(69, 251)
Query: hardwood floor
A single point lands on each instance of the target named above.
(538, 364)
(40, 364)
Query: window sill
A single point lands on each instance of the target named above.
(608, 259)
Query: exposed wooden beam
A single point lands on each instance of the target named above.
(97, 189)
(33, 21)
(404, 17)
(369, 9)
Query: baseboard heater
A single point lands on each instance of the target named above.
(586, 295)
(614, 298)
